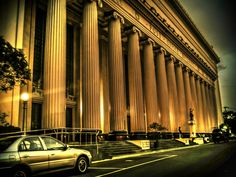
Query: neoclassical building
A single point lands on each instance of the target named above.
(113, 65)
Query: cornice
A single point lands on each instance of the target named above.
(155, 28)
(176, 5)
(160, 23)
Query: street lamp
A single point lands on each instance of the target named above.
(24, 98)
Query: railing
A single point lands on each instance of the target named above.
(66, 135)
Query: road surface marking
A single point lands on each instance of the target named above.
(104, 168)
(141, 164)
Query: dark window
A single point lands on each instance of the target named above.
(39, 41)
(69, 60)
(69, 117)
(30, 144)
(6, 142)
(36, 116)
(53, 144)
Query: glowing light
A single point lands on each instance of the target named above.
(25, 96)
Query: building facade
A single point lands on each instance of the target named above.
(112, 65)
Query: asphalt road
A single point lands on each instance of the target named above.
(217, 160)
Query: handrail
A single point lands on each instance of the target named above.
(79, 135)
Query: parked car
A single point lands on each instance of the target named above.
(24, 156)
(219, 135)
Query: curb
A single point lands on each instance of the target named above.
(146, 153)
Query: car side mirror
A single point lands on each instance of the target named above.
(65, 147)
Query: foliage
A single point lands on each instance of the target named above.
(230, 120)
(4, 125)
(13, 66)
(156, 127)
(3, 121)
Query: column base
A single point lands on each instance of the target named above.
(118, 136)
(138, 136)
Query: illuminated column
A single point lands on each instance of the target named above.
(135, 83)
(181, 96)
(104, 89)
(55, 65)
(211, 111)
(218, 105)
(208, 110)
(116, 70)
(214, 111)
(187, 89)
(204, 105)
(200, 120)
(162, 87)
(90, 67)
(173, 98)
(150, 87)
(194, 98)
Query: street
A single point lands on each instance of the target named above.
(199, 161)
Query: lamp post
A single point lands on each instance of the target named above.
(24, 98)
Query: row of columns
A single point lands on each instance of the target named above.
(169, 90)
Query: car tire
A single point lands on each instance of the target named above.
(20, 172)
(81, 165)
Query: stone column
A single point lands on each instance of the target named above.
(55, 65)
(214, 111)
(200, 120)
(90, 67)
(187, 89)
(194, 98)
(150, 87)
(181, 97)
(204, 104)
(208, 108)
(135, 83)
(173, 98)
(211, 107)
(218, 104)
(104, 89)
(116, 70)
(162, 87)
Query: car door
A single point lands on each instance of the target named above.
(32, 153)
(60, 157)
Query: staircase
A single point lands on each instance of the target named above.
(112, 148)
(169, 143)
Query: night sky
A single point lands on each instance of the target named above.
(216, 20)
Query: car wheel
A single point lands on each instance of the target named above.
(20, 172)
(81, 165)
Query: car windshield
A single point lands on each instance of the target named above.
(6, 142)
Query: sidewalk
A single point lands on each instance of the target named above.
(148, 152)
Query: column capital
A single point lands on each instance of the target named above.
(186, 69)
(170, 58)
(192, 73)
(133, 29)
(160, 50)
(99, 2)
(147, 41)
(179, 63)
(115, 16)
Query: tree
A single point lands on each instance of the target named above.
(156, 128)
(5, 127)
(13, 66)
(230, 119)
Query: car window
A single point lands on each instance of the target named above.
(30, 144)
(6, 142)
(53, 144)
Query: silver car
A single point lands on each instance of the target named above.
(23, 156)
